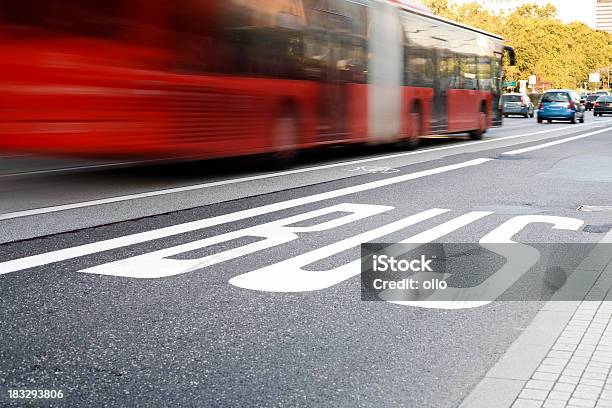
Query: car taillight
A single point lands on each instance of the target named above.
(596, 103)
(540, 105)
(570, 105)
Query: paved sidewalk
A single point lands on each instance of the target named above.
(575, 372)
(564, 357)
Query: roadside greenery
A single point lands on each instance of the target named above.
(560, 54)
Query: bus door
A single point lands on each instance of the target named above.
(444, 74)
(496, 67)
(385, 73)
(336, 77)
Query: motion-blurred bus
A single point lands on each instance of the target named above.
(209, 79)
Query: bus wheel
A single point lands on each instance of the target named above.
(482, 125)
(285, 139)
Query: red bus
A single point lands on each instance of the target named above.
(209, 79)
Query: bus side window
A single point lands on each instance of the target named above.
(453, 70)
(316, 54)
(485, 74)
(468, 72)
(421, 67)
(357, 57)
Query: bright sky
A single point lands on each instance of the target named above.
(569, 10)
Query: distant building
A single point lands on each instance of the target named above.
(604, 15)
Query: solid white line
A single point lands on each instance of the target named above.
(46, 210)
(556, 142)
(87, 249)
(64, 169)
(10, 156)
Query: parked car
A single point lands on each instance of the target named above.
(590, 101)
(517, 104)
(561, 104)
(603, 105)
(601, 93)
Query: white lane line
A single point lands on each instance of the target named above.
(46, 210)
(89, 166)
(556, 142)
(289, 275)
(87, 249)
(10, 156)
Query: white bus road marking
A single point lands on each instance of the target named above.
(556, 142)
(82, 204)
(157, 264)
(289, 275)
(519, 259)
(95, 247)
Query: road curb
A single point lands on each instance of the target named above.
(506, 379)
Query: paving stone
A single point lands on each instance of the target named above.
(563, 355)
(592, 368)
(528, 393)
(564, 387)
(585, 395)
(588, 388)
(569, 379)
(600, 364)
(559, 395)
(594, 376)
(581, 402)
(576, 366)
(523, 403)
(538, 375)
(564, 347)
(540, 384)
(573, 373)
(590, 381)
(550, 368)
(554, 361)
(554, 404)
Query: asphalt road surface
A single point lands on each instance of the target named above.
(223, 284)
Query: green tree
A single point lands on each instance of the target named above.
(533, 10)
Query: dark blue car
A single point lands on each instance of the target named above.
(561, 104)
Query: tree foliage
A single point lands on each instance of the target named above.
(559, 53)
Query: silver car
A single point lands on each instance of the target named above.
(517, 104)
